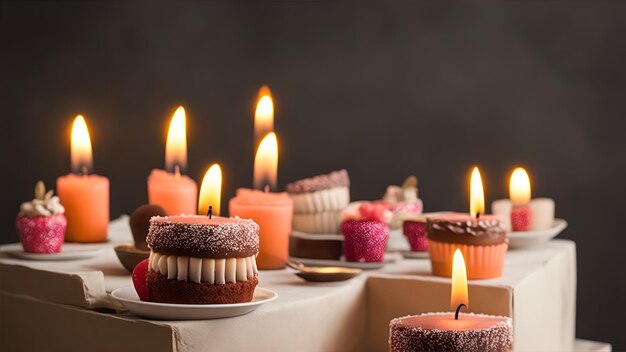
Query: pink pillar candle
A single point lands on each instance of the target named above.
(176, 193)
(273, 212)
(442, 332)
(86, 202)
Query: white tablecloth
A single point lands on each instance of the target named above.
(538, 290)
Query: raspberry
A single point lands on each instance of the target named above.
(139, 279)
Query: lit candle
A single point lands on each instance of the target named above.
(519, 192)
(84, 196)
(211, 191)
(480, 237)
(465, 332)
(263, 115)
(477, 194)
(521, 213)
(175, 192)
(272, 211)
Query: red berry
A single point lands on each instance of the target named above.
(140, 281)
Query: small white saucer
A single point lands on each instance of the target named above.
(168, 311)
(69, 251)
(346, 264)
(415, 255)
(521, 239)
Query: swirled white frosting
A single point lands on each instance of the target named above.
(213, 271)
(48, 206)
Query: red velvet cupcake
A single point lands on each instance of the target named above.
(202, 260)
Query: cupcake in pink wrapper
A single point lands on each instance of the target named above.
(402, 201)
(365, 232)
(41, 223)
(415, 231)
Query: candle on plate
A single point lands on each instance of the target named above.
(452, 331)
(519, 192)
(84, 196)
(272, 211)
(175, 192)
(521, 213)
(211, 191)
(480, 237)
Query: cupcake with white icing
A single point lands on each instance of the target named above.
(40, 223)
(318, 202)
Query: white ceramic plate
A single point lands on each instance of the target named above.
(415, 255)
(521, 239)
(346, 264)
(168, 311)
(69, 251)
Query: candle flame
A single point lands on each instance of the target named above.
(459, 281)
(81, 153)
(264, 114)
(176, 145)
(211, 191)
(519, 187)
(477, 195)
(266, 163)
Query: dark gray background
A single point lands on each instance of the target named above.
(384, 89)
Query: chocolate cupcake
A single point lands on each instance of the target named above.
(202, 260)
(482, 241)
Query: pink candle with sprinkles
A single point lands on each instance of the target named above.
(454, 331)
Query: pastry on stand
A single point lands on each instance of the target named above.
(317, 203)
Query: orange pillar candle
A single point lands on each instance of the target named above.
(84, 196)
(272, 211)
(176, 193)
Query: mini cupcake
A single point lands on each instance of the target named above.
(41, 223)
(318, 202)
(482, 241)
(365, 232)
(403, 201)
(415, 232)
(202, 260)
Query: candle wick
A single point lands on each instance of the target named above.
(458, 309)
(210, 211)
(177, 171)
(478, 215)
(266, 189)
(83, 169)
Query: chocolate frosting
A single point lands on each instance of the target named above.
(232, 238)
(463, 229)
(334, 179)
